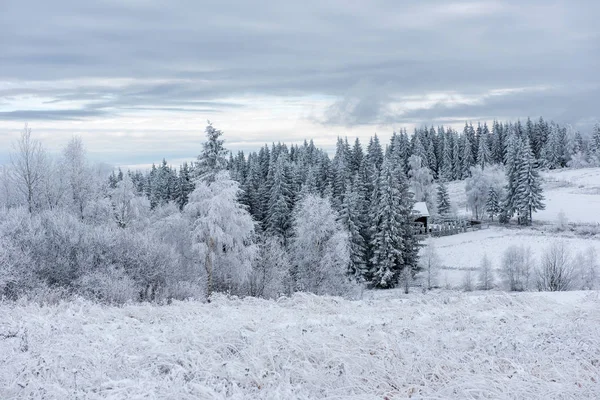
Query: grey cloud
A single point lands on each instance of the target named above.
(204, 51)
(61, 115)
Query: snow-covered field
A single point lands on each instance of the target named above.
(575, 192)
(466, 250)
(442, 345)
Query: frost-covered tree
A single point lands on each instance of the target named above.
(588, 270)
(477, 187)
(457, 165)
(319, 249)
(127, 207)
(529, 197)
(486, 274)
(467, 283)
(352, 218)
(78, 176)
(468, 159)
(443, 199)
(556, 271)
(430, 264)
(393, 240)
(420, 179)
(512, 161)
(214, 155)
(28, 161)
(270, 272)
(483, 151)
(222, 233)
(516, 268)
(492, 205)
(279, 201)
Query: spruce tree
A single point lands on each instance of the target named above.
(457, 165)
(351, 216)
(529, 189)
(483, 152)
(213, 157)
(443, 199)
(513, 158)
(595, 147)
(278, 218)
(492, 205)
(467, 159)
(392, 229)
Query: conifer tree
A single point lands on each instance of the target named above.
(352, 217)
(595, 147)
(467, 159)
(457, 164)
(213, 157)
(492, 205)
(513, 157)
(184, 186)
(443, 198)
(483, 152)
(529, 189)
(394, 243)
(279, 207)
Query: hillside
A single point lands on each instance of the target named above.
(575, 192)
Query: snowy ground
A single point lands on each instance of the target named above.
(466, 250)
(575, 192)
(443, 345)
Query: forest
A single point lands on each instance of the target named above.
(284, 219)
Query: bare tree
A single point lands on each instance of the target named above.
(430, 264)
(468, 280)
(516, 268)
(486, 274)
(78, 175)
(557, 271)
(588, 269)
(28, 161)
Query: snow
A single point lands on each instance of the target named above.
(441, 345)
(576, 192)
(466, 250)
(421, 208)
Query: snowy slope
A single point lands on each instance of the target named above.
(467, 249)
(441, 345)
(576, 192)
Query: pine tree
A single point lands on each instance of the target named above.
(184, 187)
(446, 172)
(213, 157)
(393, 239)
(443, 199)
(457, 165)
(483, 152)
(513, 157)
(529, 189)
(492, 205)
(467, 159)
(595, 147)
(279, 207)
(352, 218)
(356, 157)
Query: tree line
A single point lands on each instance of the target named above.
(272, 222)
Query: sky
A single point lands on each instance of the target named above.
(138, 79)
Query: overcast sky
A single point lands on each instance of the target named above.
(137, 79)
